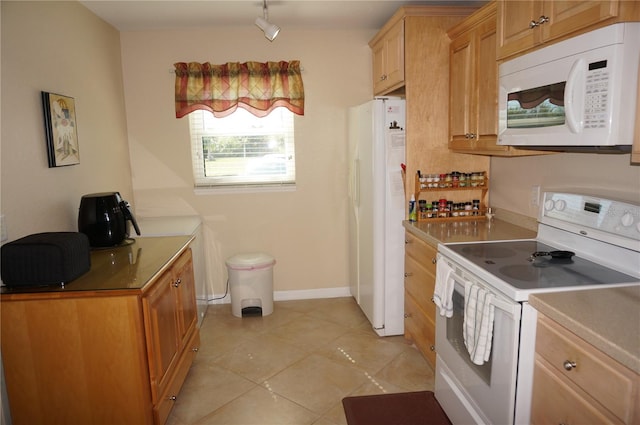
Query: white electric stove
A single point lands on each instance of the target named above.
(583, 242)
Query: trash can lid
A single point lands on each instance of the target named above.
(250, 261)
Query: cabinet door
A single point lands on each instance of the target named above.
(566, 17)
(162, 332)
(485, 110)
(395, 55)
(379, 77)
(514, 33)
(461, 64)
(186, 297)
(388, 60)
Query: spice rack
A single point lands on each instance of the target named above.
(478, 184)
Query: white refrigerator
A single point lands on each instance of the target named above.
(376, 211)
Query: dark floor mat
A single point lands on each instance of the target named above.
(413, 408)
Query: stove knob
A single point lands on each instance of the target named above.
(627, 219)
(561, 204)
(548, 204)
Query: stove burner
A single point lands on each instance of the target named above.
(522, 272)
(488, 251)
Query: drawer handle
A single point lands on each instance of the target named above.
(569, 365)
(434, 260)
(408, 274)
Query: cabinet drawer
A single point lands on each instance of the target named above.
(557, 401)
(421, 252)
(420, 329)
(595, 373)
(420, 284)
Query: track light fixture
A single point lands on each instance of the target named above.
(270, 30)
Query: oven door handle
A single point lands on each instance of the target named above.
(512, 308)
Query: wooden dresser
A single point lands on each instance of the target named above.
(111, 347)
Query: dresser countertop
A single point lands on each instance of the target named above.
(128, 267)
(467, 231)
(608, 319)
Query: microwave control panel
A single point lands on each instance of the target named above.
(597, 95)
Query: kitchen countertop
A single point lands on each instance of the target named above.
(126, 267)
(467, 231)
(608, 319)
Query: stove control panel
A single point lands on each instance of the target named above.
(599, 218)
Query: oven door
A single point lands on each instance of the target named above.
(467, 392)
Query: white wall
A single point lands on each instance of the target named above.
(305, 230)
(59, 47)
(600, 174)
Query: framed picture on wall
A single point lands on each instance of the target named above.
(60, 129)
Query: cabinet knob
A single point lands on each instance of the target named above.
(408, 274)
(195, 349)
(407, 241)
(432, 348)
(383, 77)
(173, 398)
(177, 282)
(407, 315)
(541, 20)
(434, 260)
(569, 365)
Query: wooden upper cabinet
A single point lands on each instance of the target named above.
(388, 59)
(525, 25)
(473, 84)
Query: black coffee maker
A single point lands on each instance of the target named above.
(103, 218)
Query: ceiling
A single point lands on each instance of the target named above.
(138, 15)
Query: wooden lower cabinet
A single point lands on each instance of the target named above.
(575, 383)
(419, 283)
(100, 357)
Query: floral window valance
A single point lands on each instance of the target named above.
(255, 86)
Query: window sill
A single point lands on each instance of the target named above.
(238, 189)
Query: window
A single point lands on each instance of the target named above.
(242, 150)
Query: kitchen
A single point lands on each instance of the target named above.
(128, 137)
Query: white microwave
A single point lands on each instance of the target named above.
(578, 93)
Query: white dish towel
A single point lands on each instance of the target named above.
(443, 292)
(478, 322)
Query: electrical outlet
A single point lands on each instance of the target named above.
(535, 196)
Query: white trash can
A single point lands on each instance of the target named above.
(251, 284)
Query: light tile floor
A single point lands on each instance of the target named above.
(293, 366)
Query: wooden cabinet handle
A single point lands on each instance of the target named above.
(569, 365)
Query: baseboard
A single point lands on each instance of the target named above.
(303, 294)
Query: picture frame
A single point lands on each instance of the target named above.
(61, 130)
